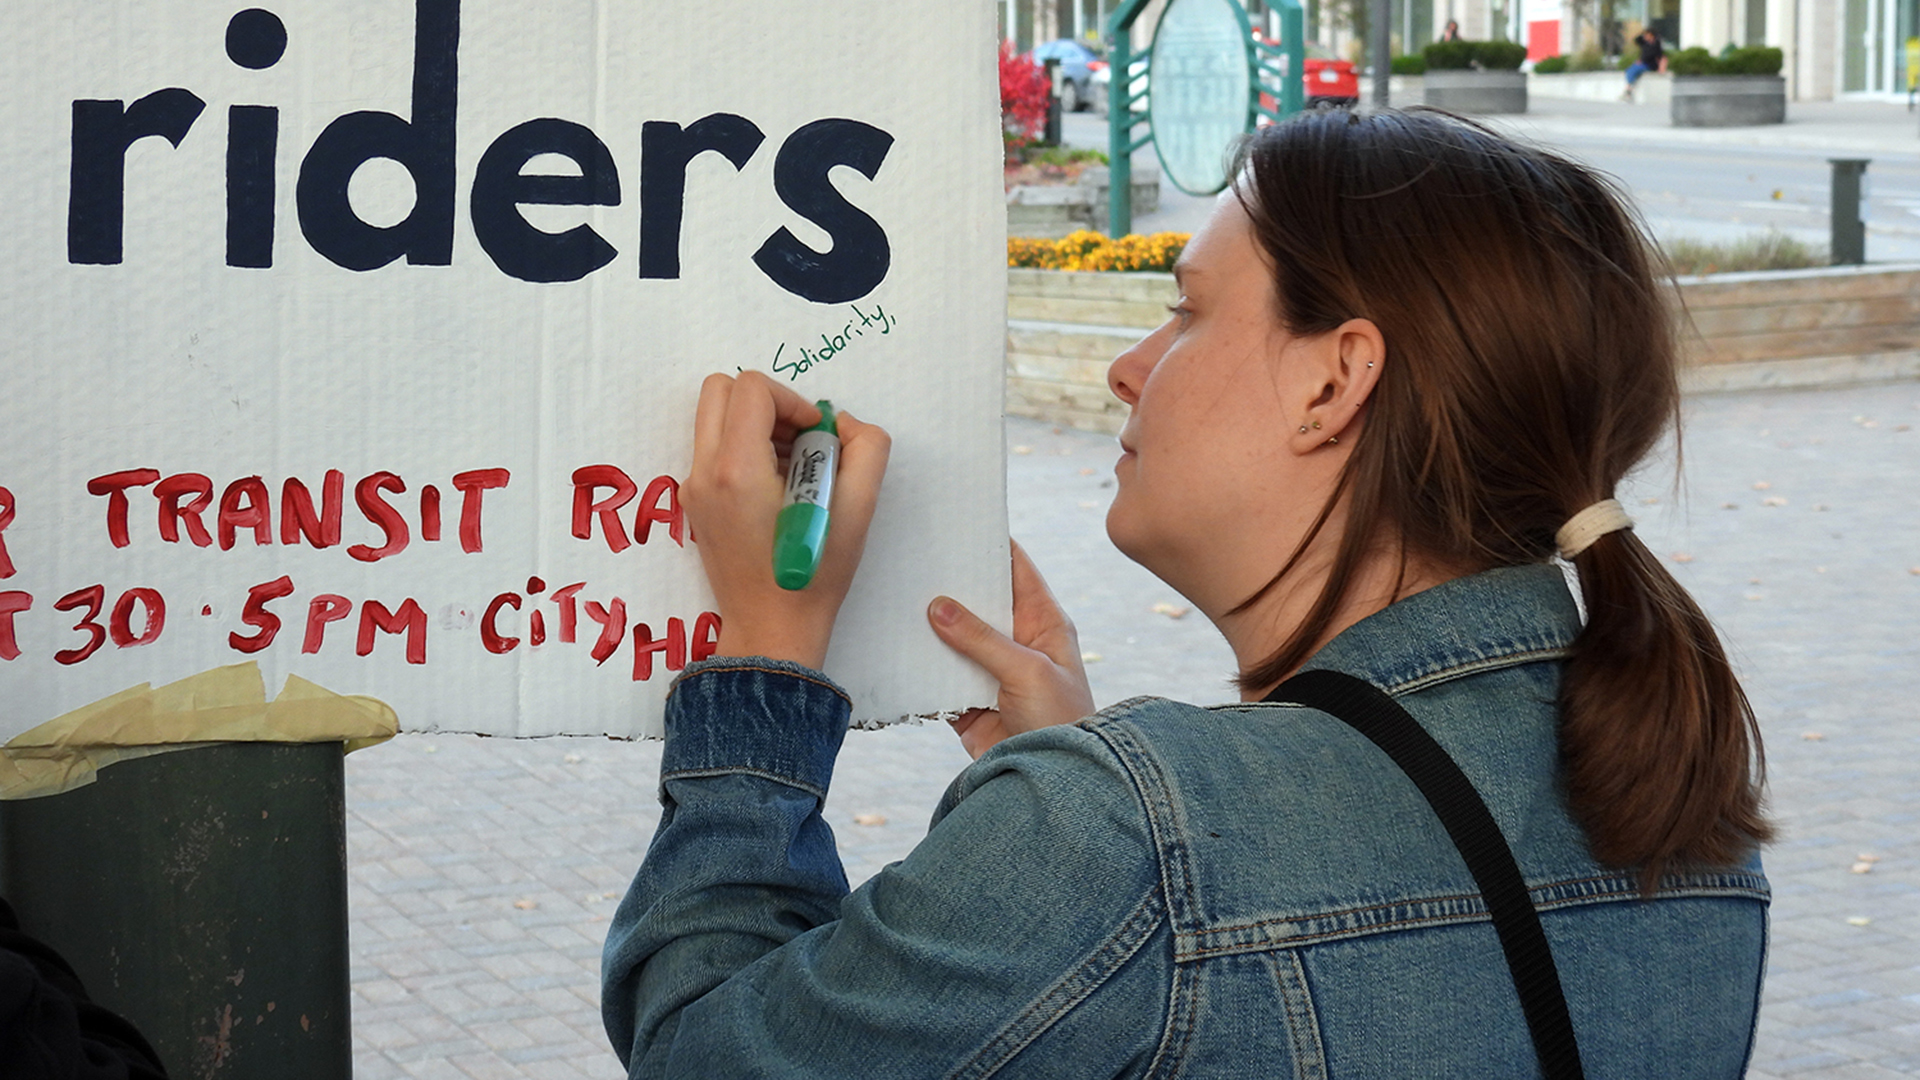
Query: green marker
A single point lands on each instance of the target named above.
(800, 532)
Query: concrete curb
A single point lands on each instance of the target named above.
(1803, 374)
(1767, 136)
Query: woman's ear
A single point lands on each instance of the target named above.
(1339, 370)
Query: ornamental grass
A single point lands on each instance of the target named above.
(1771, 250)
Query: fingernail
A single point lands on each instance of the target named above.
(946, 612)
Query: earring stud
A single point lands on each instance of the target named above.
(1333, 440)
(1316, 425)
(1303, 429)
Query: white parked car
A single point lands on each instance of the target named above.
(1102, 80)
(1078, 63)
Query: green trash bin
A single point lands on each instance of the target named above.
(202, 894)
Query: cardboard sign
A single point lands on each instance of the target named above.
(361, 338)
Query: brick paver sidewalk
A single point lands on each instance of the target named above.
(483, 871)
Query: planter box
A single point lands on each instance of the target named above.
(1826, 327)
(1830, 326)
(1130, 301)
(1484, 92)
(1729, 100)
(1652, 89)
(1054, 210)
(1063, 329)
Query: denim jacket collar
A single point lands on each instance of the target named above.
(1510, 615)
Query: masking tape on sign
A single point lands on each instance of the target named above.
(226, 704)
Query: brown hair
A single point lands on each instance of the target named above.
(1531, 360)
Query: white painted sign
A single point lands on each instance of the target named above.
(360, 338)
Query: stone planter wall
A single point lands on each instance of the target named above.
(1054, 210)
(1652, 89)
(1483, 92)
(1062, 330)
(1728, 100)
(1776, 329)
(1833, 326)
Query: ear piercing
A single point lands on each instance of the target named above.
(1332, 440)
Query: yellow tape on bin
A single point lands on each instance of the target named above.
(226, 704)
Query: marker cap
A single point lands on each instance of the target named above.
(799, 537)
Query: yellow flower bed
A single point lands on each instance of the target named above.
(1086, 250)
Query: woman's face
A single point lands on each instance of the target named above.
(1216, 482)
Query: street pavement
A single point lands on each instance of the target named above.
(483, 871)
(1849, 126)
(1712, 184)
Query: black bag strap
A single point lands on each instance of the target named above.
(1368, 710)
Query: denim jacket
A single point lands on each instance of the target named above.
(1162, 890)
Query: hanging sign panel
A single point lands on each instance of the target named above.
(361, 338)
(1202, 97)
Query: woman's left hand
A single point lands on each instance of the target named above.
(1042, 678)
(733, 494)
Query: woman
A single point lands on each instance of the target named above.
(1406, 355)
(1451, 32)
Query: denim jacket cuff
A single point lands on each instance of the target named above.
(755, 715)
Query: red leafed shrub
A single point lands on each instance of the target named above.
(1023, 98)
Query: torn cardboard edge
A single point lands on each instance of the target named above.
(224, 705)
(944, 716)
(870, 723)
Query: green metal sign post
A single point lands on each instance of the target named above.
(201, 894)
(1272, 70)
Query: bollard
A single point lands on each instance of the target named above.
(1846, 220)
(201, 894)
(1380, 49)
(1051, 136)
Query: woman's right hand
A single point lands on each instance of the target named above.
(1042, 679)
(733, 495)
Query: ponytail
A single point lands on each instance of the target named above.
(1531, 362)
(1659, 745)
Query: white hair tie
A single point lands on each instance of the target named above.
(1583, 528)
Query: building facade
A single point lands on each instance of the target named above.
(1832, 48)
